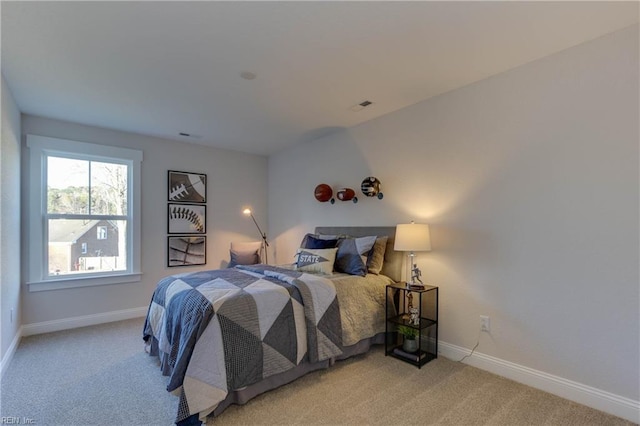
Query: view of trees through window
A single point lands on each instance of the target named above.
(86, 187)
(87, 215)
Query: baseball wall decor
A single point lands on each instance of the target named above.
(187, 218)
(185, 187)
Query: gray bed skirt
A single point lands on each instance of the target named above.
(242, 396)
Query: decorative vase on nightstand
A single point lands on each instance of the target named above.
(410, 345)
(410, 335)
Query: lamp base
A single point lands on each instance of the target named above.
(410, 259)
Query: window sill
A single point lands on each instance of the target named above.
(76, 282)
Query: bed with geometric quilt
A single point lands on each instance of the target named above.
(224, 336)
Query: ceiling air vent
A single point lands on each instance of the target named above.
(189, 135)
(361, 106)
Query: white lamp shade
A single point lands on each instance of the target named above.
(412, 237)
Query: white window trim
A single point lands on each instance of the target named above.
(38, 278)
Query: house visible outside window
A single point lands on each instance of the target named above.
(81, 191)
(102, 232)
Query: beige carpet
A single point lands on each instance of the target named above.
(378, 390)
(101, 376)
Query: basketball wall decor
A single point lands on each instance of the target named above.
(323, 193)
(371, 187)
(186, 251)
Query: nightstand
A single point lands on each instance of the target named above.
(424, 325)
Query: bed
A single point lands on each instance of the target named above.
(226, 336)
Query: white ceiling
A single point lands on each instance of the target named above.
(161, 68)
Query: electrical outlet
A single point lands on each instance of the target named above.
(485, 323)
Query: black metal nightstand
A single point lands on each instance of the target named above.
(400, 323)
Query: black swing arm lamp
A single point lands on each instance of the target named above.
(263, 235)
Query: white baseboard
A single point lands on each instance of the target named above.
(586, 395)
(8, 356)
(82, 321)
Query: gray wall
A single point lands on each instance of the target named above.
(9, 220)
(529, 181)
(235, 180)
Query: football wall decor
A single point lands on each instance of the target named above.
(186, 187)
(347, 194)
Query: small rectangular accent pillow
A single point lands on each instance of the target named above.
(352, 255)
(316, 260)
(376, 256)
(303, 243)
(244, 257)
(245, 253)
(305, 240)
(313, 242)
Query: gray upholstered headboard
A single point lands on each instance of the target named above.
(392, 259)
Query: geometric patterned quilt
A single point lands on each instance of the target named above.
(221, 330)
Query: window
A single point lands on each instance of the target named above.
(82, 195)
(102, 233)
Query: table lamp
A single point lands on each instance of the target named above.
(412, 237)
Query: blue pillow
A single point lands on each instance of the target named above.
(352, 255)
(243, 257)
(312, 242)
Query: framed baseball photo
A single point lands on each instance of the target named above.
(186, 187)
(187, 251)
(187, 218)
